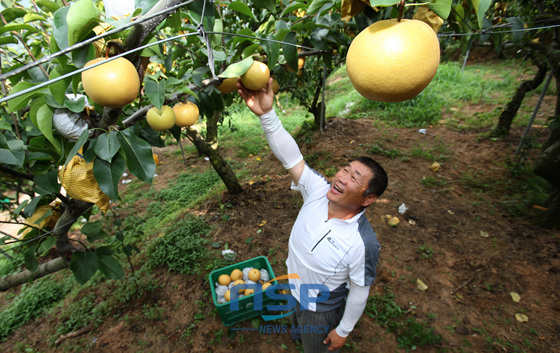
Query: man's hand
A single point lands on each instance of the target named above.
(260, 102)
(336, 341)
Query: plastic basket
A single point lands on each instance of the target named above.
(246, 307)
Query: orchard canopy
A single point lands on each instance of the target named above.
(62, 154)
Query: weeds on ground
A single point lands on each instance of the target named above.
(182, 248)
(32, 301)
(410, 332)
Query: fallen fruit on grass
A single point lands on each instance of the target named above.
(113, 84)
(228, 85)
(256, 77)
(186, 114)
(392, 61)
(160, 120)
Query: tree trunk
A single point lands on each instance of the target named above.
(547, 166)
(220, 165)
(316, 107)
(507, 116)
(72, 211)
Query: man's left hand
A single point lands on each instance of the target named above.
(336, 341)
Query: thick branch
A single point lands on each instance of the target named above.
(73, 210)
(15, 173)
(141, 31)
(25, 276)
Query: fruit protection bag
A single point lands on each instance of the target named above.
(79, 182)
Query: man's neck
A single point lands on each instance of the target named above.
(343, 213)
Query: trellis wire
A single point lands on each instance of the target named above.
(62, 77)
(200, 32)
(88, 41)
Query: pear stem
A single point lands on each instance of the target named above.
(401, 10)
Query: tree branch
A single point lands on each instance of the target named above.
(25, 276)
(15, 173)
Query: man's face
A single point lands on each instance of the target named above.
(349, 185)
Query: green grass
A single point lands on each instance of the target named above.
(242, 130)
(182, 248)
(410, 332)
(450, 92)
(31, 302)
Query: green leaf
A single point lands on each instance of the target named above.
(317, 5)
(517, 28)
(82, 17)
(8, 40)
(293, 7)
(270, 5)
(241, 8)
(32, 205)
(237, 69)
(155, 90)
(48, 6)
(47, 244)
(12, 13)
(48, 182)
(17, 27)
(145, 5)
(216, 39)
(84, 265)
(76, 106)
(138, 155)
(94, 231)
(30, 259)
(375, 3)
(21, 101)
(30, 17)
(108, 175)
(480, 6)
(107, 145)
(44, 123)
(79, 144)
(319, 38)
(195, 11)
(442, 8)
(290, 51)
(272, 50)
(110, 267)
(58, 89)
(206, 104)
(14, 154)
(60, 27)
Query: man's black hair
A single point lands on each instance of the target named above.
(378, 183)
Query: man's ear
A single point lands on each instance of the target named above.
(368, 200)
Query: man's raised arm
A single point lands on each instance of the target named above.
(281, 143)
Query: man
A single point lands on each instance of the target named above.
(331, 243)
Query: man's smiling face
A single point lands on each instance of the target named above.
(348, 186)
